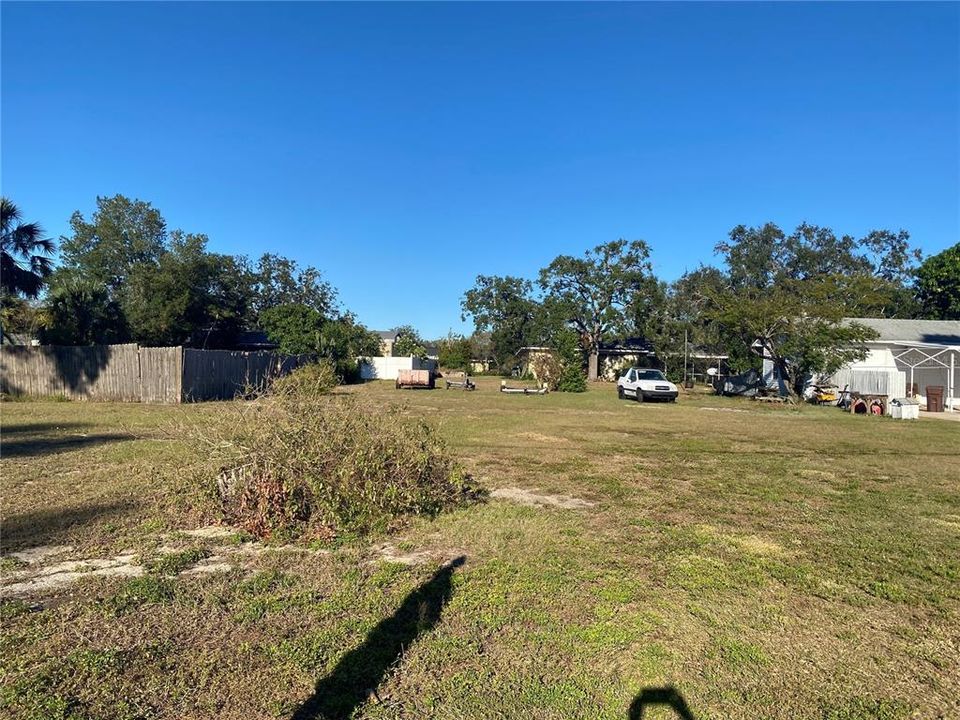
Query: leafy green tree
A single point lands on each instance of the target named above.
(871, 275)
(297, 329)
(798, 325)
(186, 294)
(80, 311)
(790, 295)
(592, 292)
(343, 341)
(505, 308)
(938, 285)
(277, 280)
(24, 254)
(344, 337)
(408, 342)
(301, 330)
(456, 352)
(122, 234)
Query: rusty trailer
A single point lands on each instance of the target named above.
(414, 379)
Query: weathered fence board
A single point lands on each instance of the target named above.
(161, 374)
(135, 374)
(98, 372)
(221, 374)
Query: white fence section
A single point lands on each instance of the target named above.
(387, 368)
(878, 381)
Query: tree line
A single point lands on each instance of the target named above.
(124, 276)
(785, 296)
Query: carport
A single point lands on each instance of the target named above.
(927, 361)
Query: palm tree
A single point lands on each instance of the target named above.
(24, 264)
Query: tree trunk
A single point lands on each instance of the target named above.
(787, 380)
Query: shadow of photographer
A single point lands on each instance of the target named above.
(361, 670)
(667, 696)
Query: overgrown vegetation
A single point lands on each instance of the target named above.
(298, 461)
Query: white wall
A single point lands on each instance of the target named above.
(387, 368)
(877, 357)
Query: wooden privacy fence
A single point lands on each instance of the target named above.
(131, 373)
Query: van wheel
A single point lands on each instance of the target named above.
(619, 392)
(639, 395)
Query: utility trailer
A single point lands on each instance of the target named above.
(459, 381)
(415, 379)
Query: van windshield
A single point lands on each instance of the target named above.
(650, 375)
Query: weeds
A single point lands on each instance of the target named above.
(175, 563)
(296, 463)
(147, 590)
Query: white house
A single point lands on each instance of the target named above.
(908, 357)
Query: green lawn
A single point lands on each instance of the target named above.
(766, 562)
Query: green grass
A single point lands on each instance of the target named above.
(768, 563)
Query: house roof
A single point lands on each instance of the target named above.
(931, 332)
(627, 346)
(253, 338)
(387, 334)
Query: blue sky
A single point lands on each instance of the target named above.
(405, 148)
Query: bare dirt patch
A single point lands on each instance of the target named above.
(389, 553)
(386, 552)
(58, 575)
(526, 497)
(40, 553)
(211, 532)
(41, 578)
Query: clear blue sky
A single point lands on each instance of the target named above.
(405, 148)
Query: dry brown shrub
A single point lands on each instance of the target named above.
(297, 461)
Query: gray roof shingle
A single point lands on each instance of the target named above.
(935, 332)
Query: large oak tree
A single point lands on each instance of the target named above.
(592, 292)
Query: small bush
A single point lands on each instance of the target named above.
(293, 463)
(572, 379)
(562, 368)
(348, 371)
(313, 379)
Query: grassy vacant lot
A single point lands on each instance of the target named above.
(766, 562)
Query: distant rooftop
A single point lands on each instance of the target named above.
(935, 332)
(387, 334)
(628, 346)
